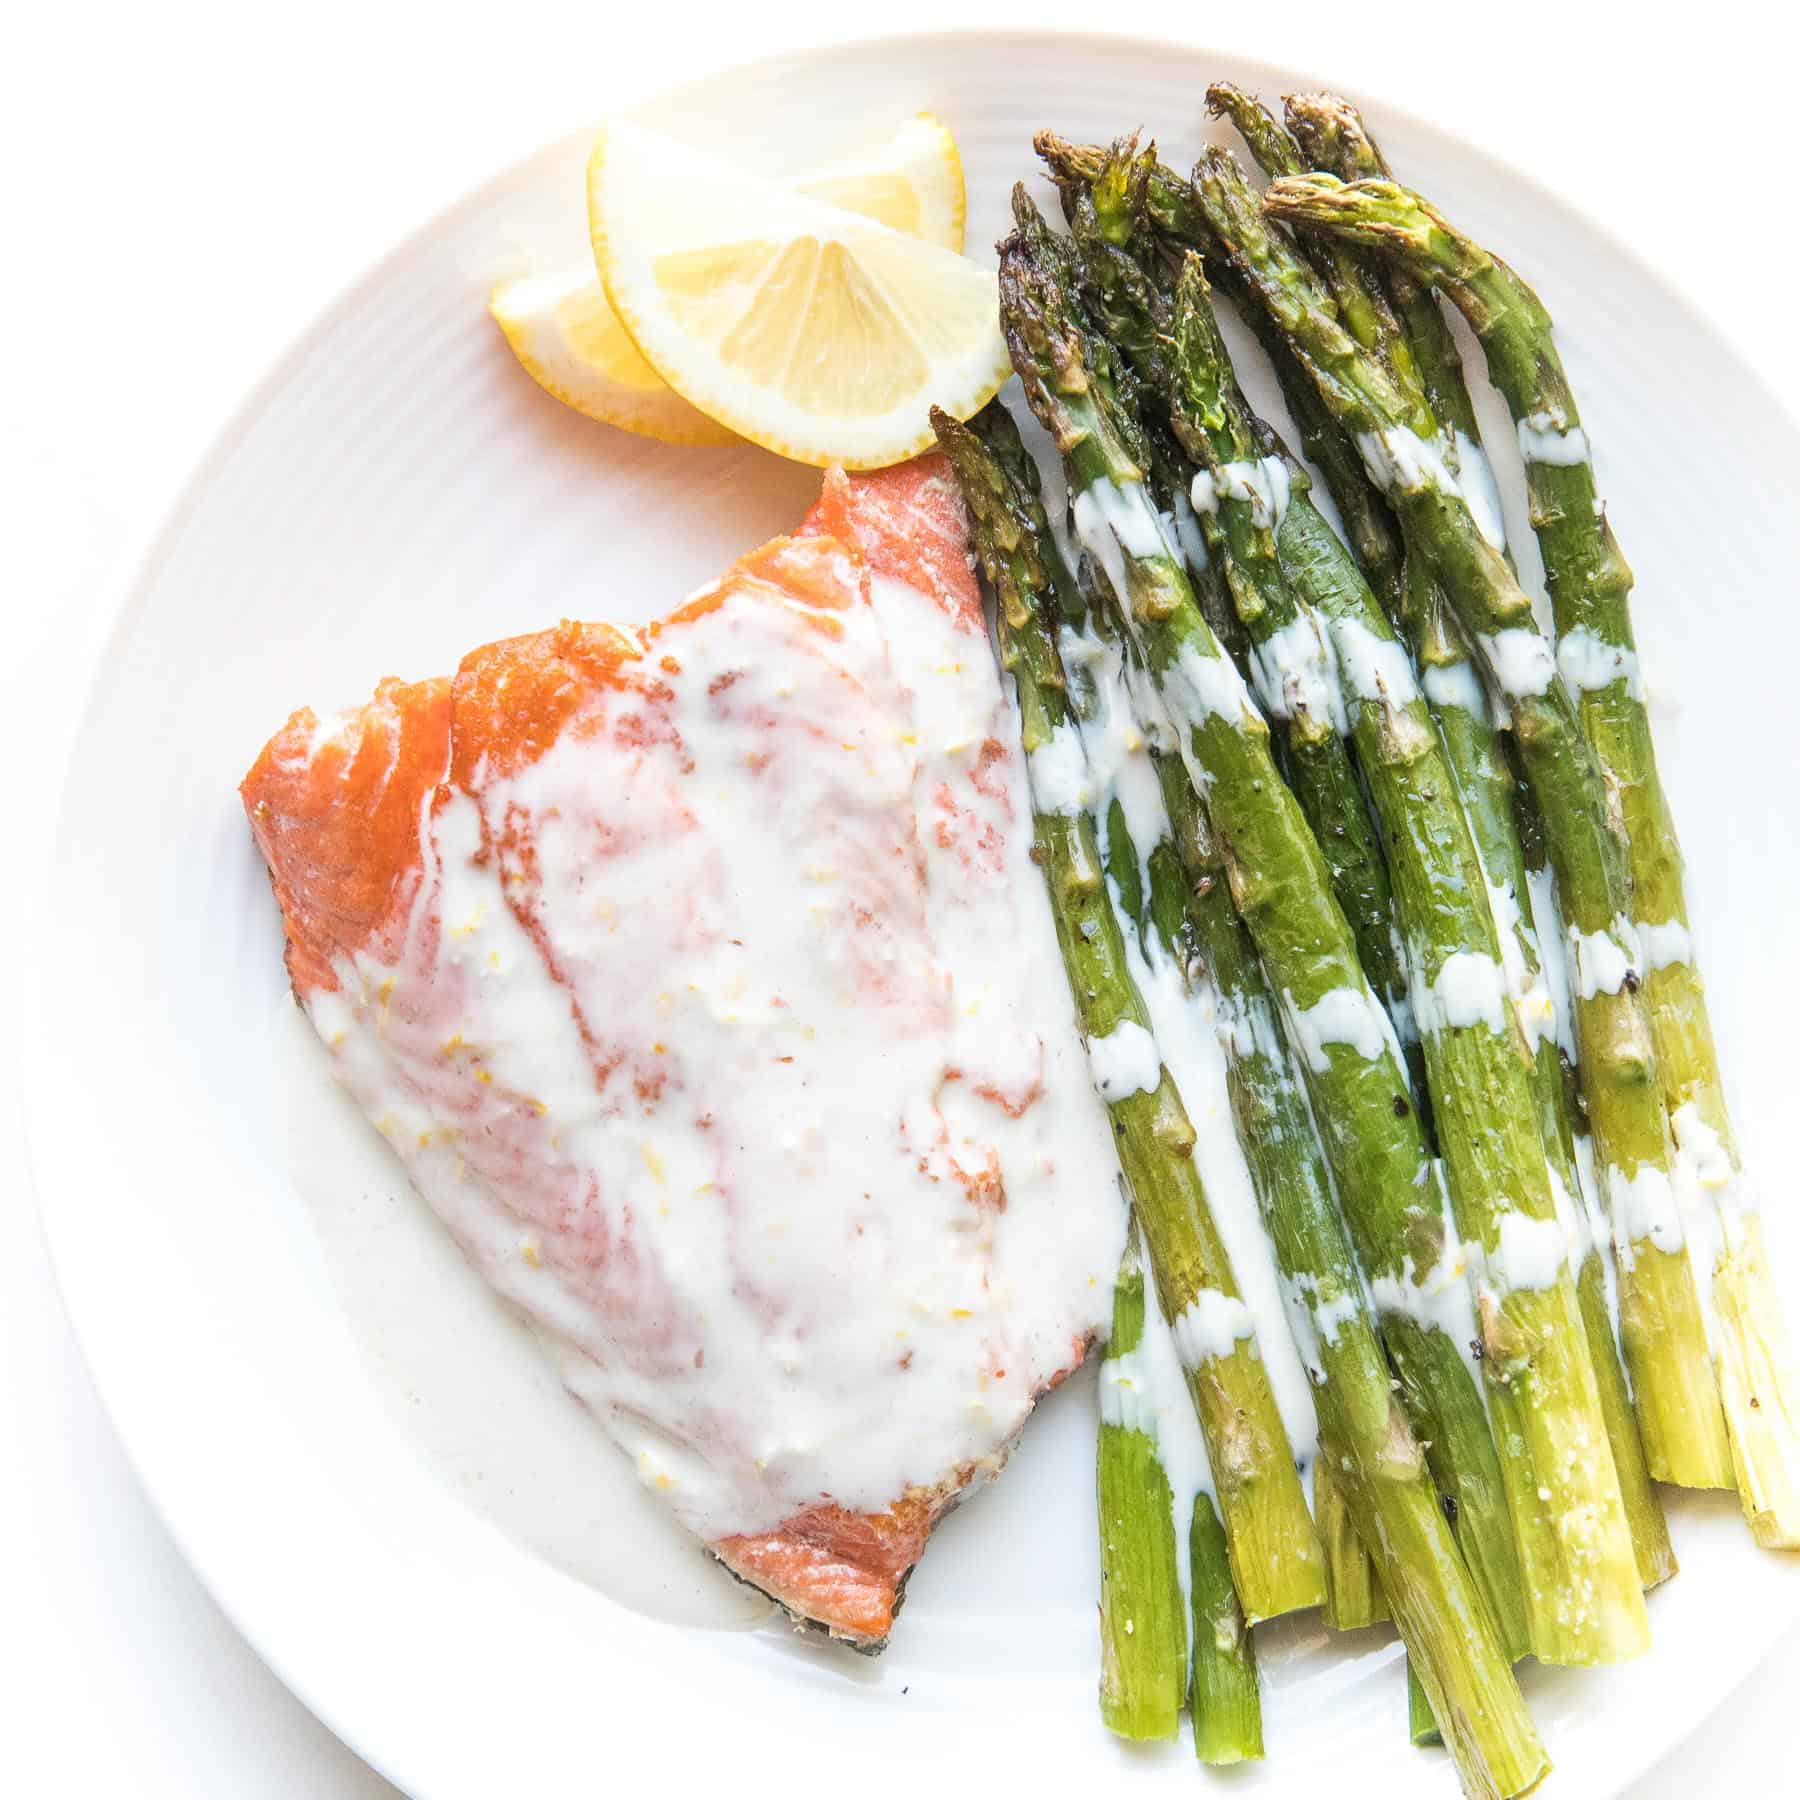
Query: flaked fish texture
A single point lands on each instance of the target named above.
(699, 978)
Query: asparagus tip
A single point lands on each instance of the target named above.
(1223, 96)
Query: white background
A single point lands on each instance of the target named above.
(185, 186)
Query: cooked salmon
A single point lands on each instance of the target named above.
(699, 979)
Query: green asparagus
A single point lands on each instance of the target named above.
(1365, 309)
(1353, 1596)
(1224, 1696)
(1565, 1505)
(1663, 1330)
(1566, 1128)
(1333, 137)
(1239, 496)
(1379, 1468)
(1275, 1556)
(1143, 1628)
(1138, 788)
(1293, 1190)
(1385, 1174)
(1590, 585)
(1568, 1509)
(1368, 522)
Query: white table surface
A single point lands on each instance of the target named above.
(186, 186)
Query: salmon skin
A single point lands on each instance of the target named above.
(697, 976)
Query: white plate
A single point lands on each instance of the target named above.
(351, 1443)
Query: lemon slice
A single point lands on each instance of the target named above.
(817, 333)
(912, 183)
(573, 346)
(570, 342)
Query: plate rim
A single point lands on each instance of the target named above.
(138, 561)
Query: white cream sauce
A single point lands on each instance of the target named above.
(1600, 961)
(1666, 944)
(1468, 990)
(1713, 1199)
(1113, 523)
(1571, 1220)
(1124, 1062)
(1480, 491)
(1593, 1204)
(1116, 747)
(1375, 669)
(1519, 660)
(731, 1122)
(1533, 1253)
(1552, 942)
(1189, 536)
(1330, 1318)
(1544, 438)
(1263, 483)
(1704, 1153)
(1210, 1326)
(1346, 1015)
(1526, 987)
(1295, 672)
(1456, 684)
(1509, 926)
(1059, 774)
(1645, 1209)
(1587, 663)
(1400, 461)
(1198, 687)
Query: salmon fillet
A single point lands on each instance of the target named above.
(697, 977)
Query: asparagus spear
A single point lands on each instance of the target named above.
(1143, 1631)
(1377, 1462)
(1368, 523)
(1421, 1721)
(1548, 1399)
(1240, 497)
(1167, 473)
(1275, 1557)
(1353, 1596)
(1151, 888)
(1333, 137)
(1385, 1174)
(1224, 1696)
(1180, 905)
(1664, 1335)
(1371, 1473)
(1586, 1603)
(1590, 586)
(1597, 1283)
(1459, 708)
(1434, 372)
(1364, 307)
(1330, 135)
(1142, 1686)
(1281, 1145)
(1565, 1504)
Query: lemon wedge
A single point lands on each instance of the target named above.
(820, 334)
(912, 183)
(568, 339)
(572, 345)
